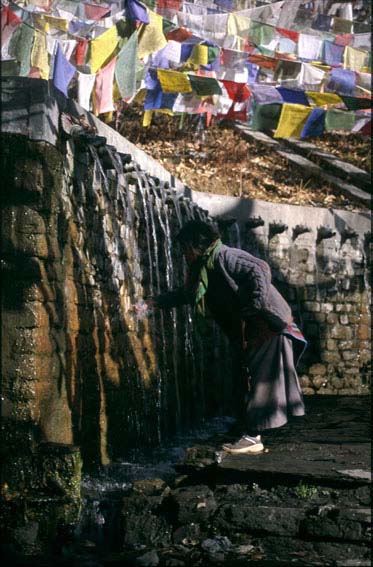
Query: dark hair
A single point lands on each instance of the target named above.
(198, 234)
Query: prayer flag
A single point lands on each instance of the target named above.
(134, 10)
(199, 55)
(341, 26)
(126, 67)
(322, 22)
(39, 55)
(20, 46)
(63, 71)
(332, 54)
(86, 82)
(104, 88)
(204, 86)
(354, 59)
(103, 47)
(180, 34)
(151, 38)
(339, 120)
(292, 120)
(237, 25)
(266, 116)
(309, 46)
(290, 34)
(293, 96)
(341, 81)
(94, 12)
(57, 23)
(173, 81)
(239, 92)
(315, 123)
(357, 103)
(81, 51)
(321, 99)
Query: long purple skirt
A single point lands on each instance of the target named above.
(275, 393)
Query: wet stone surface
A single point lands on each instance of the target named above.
(304, 502)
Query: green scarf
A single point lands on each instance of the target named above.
(207, 263)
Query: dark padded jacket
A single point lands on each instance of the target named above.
(239, 288)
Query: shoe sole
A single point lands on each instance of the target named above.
(257, 448)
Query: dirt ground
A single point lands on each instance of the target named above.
(218, 160)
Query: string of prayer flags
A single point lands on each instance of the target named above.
(134, 10)
(173, 81)
(315, 123)
(204, 86)
(103, 47)
(151, 37)
(56, 23)
(104, 88)
(339, 120)
(126, 67)
(292, 120)
(238, 25)
(63, 71)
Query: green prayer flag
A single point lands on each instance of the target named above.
(126, 67)
(20, 47)
(355, 103)
(339, 120)
(261, 34)
(212, 53)
(167, 26)
(266, 116)
(204, 86)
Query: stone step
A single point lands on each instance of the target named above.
(342, 169)
(311, 169)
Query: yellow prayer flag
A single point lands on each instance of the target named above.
(199, 55)
(321, 66)
(40, 22)
(324, 98)
(174, 81)
(103, 47)
(57, 23)
(151, 36)
(354, 59)
(147, 118)
(238, 25)
(39, 54)
(292, 120)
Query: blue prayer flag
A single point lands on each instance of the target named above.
(63, 71)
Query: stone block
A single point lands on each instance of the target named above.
(308, 391)
(240, 516)
(331, 357)
(336, 383)
(348, 355)
(344, 307)
(32, 315)
(336, 524)
(344, 319)
(317, 370)
(327, 307)
(32, 341)
(319, 382)
(331, 344)
(313, 306)
(304, 381)
(341, 332)
(193, 504)
(363, 332)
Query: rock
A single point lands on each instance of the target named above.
(317, 370)
(149, 559)
(192, 504)
(219, 544)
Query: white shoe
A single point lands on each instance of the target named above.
(246, 444)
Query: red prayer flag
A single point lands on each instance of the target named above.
(239, 92)
(180, 34)
(290, 34)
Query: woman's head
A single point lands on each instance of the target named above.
(197, 236)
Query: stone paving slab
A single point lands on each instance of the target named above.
(329, 446)
(348, 171)
(311, 169)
